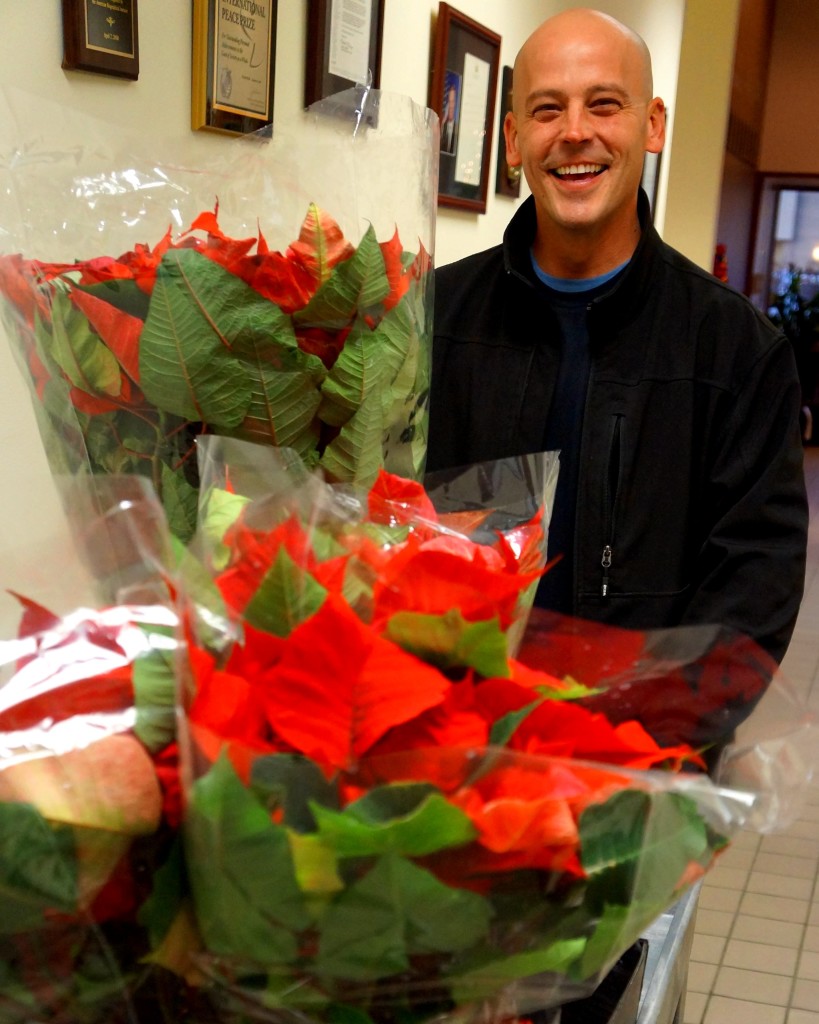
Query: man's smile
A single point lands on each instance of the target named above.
(577, 172)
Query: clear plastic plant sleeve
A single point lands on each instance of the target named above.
(370, 811)
(274, 287)
(387, 814)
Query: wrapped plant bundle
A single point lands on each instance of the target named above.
(90, 801)
(294, 772)
(387, 813)
(255, 317)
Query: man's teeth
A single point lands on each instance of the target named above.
(578, 169)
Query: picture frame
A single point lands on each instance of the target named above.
(343, 47)
(233, 66)
(463, 83)
(650, 180)
(507, 179)
(101, 38)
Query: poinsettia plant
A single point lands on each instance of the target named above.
(383, 812)
(323, 348)
(389, 813)
(90, 805)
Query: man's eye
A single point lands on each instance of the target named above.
(605, 106)
(545, 111)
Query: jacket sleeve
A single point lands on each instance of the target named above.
(751, 566)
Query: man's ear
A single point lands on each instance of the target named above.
(655, 134)
(510, 134)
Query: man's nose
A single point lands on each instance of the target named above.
(577, 126)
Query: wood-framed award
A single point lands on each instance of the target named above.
(233, 65)
(101, 36)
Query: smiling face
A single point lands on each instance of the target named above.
(582, 120)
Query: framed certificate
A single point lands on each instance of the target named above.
(343, 46)
(507, 179)
(233, 65)
(101, 36)
(463, 82)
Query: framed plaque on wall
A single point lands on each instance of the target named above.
(343, 46)
(463, 83)
(507, 179)
(233, 66)
(101, 36)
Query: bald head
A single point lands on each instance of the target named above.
(578, 28)
(583, 117)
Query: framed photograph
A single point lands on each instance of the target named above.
(463, 82)
(650, 180)
(343, 46)
(507, 179)
(233, 66)
(101, 37)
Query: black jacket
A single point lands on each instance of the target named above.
(690, 461)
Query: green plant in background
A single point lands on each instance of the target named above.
(798, 317)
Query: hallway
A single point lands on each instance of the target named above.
(755, 955)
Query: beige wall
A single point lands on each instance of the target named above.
(32, 533)
(159, 102)
(700, 123)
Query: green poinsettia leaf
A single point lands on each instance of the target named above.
(44, 345)
(38, 869)
(504, 728)
(340, 1013)
(355, 455)
(122, 293)
(559, 955)
(168, 886)
(284, 386)
(154, 676)
(397, 334)
(198, 311)
(180, 500)
(283, 411)
(358, 372)
(60, 424)
(385, 360)
(317, 872)
(396, 911)
(119, 443)
(291, 783)
(287, 595)
(573, 690)
(79, 351)
(450, 641)
(617, 928)
(637, 846)
(412, 819)
(218, 511)
(241, 872)
(359, 282)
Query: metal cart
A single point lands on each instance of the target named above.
(666, 974)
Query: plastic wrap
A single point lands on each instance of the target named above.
(700, 685)
(90, 801)
(433, 828)
(293, 773)
(277, 288)
(277, 539)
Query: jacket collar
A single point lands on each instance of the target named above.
(622, 302)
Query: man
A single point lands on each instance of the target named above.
(673, 402)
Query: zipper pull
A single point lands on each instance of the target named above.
(605, 561)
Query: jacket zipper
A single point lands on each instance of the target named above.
(610, 490)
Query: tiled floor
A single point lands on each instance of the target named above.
(755, 957)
